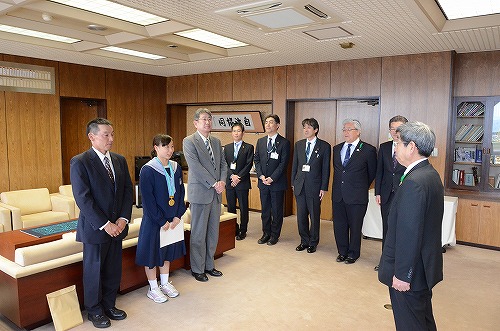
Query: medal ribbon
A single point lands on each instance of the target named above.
(169, 179)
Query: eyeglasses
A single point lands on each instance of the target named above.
(392, 130)
(348, 130)
(205, 119)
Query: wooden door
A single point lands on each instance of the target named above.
(75, 114)
(467, 222)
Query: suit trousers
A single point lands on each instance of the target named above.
(205, 220)
(347, 224)
(412, 310)
(384, 211)
(102, 272)
(242, 196)
(308, 207)
(272, 203)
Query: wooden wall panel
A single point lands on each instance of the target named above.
(476, 74)
(182, 89)
(34, 135)
(81, 81)
(308, 81)
(253, 84)
(215, 87)
(155, 110)
(356, 78)
(4, 160)
(419, 88)
(124, 94)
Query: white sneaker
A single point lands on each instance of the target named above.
(157, 295)
(169, 290)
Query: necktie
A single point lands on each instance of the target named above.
(347, 155)
(207, 144)
(108, 168)
(270, 145)
(308, 149)
(236, 149)
(394, 160)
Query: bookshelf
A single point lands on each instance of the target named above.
(475, 145)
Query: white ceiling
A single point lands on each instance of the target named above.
(378, 27)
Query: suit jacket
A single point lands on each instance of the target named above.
(319, 174)
(352, 182)
(96, 196)
(412, 250)
(244, 163)
(387, 178)
(269, 167)
(201, 173)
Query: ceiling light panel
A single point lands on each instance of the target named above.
(133, 53)
(37, 34)
(114, 10)
(454, 9)
(280, 18)
(210, 38)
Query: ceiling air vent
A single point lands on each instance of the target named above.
(316, 11)
(270, 16)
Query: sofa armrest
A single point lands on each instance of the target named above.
(75, 211)
(5, 220)
(15, 214)
(63, 204)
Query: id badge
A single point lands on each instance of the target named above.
(274, 155)
(306, 168)
(232, 166)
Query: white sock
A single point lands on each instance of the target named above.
(164, 279)
(153, 284)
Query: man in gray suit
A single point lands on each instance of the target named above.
(206, 175)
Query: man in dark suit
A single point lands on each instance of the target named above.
(354, 164)
(271, 160)
(103, 191)
(389, 171)
(207, 171)
(412, 261)
(239, 159)
(310, 176)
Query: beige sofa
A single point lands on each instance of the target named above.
(66, 191)
(35, 207)
(5, 220)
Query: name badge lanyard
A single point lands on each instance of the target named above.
(170, 182)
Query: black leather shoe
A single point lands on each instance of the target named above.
(301, 247)
(115, 314)
(100, 321)
(200, 277)
(341, 258)
(264, 239)
(272, 241)
(349, 260)
(311, 249)
(376, 267)
(241, 236)
(214, 272)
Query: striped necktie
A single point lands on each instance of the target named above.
(207, 144)
(347, 155)
(108, 168)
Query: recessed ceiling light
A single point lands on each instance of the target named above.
(454, 9)
(95, 27)
(37, 34)
(210, 38)
(114, 10)
(133, 53)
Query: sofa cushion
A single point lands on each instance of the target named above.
(29, 201)
(26, 256)
(44, 218)
(66, 190)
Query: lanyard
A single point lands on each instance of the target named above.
(169, 179)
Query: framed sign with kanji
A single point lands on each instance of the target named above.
(223, 120)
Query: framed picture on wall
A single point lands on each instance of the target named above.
(223, 120)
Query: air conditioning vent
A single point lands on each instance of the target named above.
(316, 11)
(257, 9)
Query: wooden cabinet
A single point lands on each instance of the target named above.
(254, 195)
(478, 223)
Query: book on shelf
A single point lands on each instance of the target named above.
(470, 109)
(497, 181)
(455, 175)
(465, 154)
(479, 154)
(461, 177)
(475, 176)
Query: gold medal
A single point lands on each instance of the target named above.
(171, 202)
